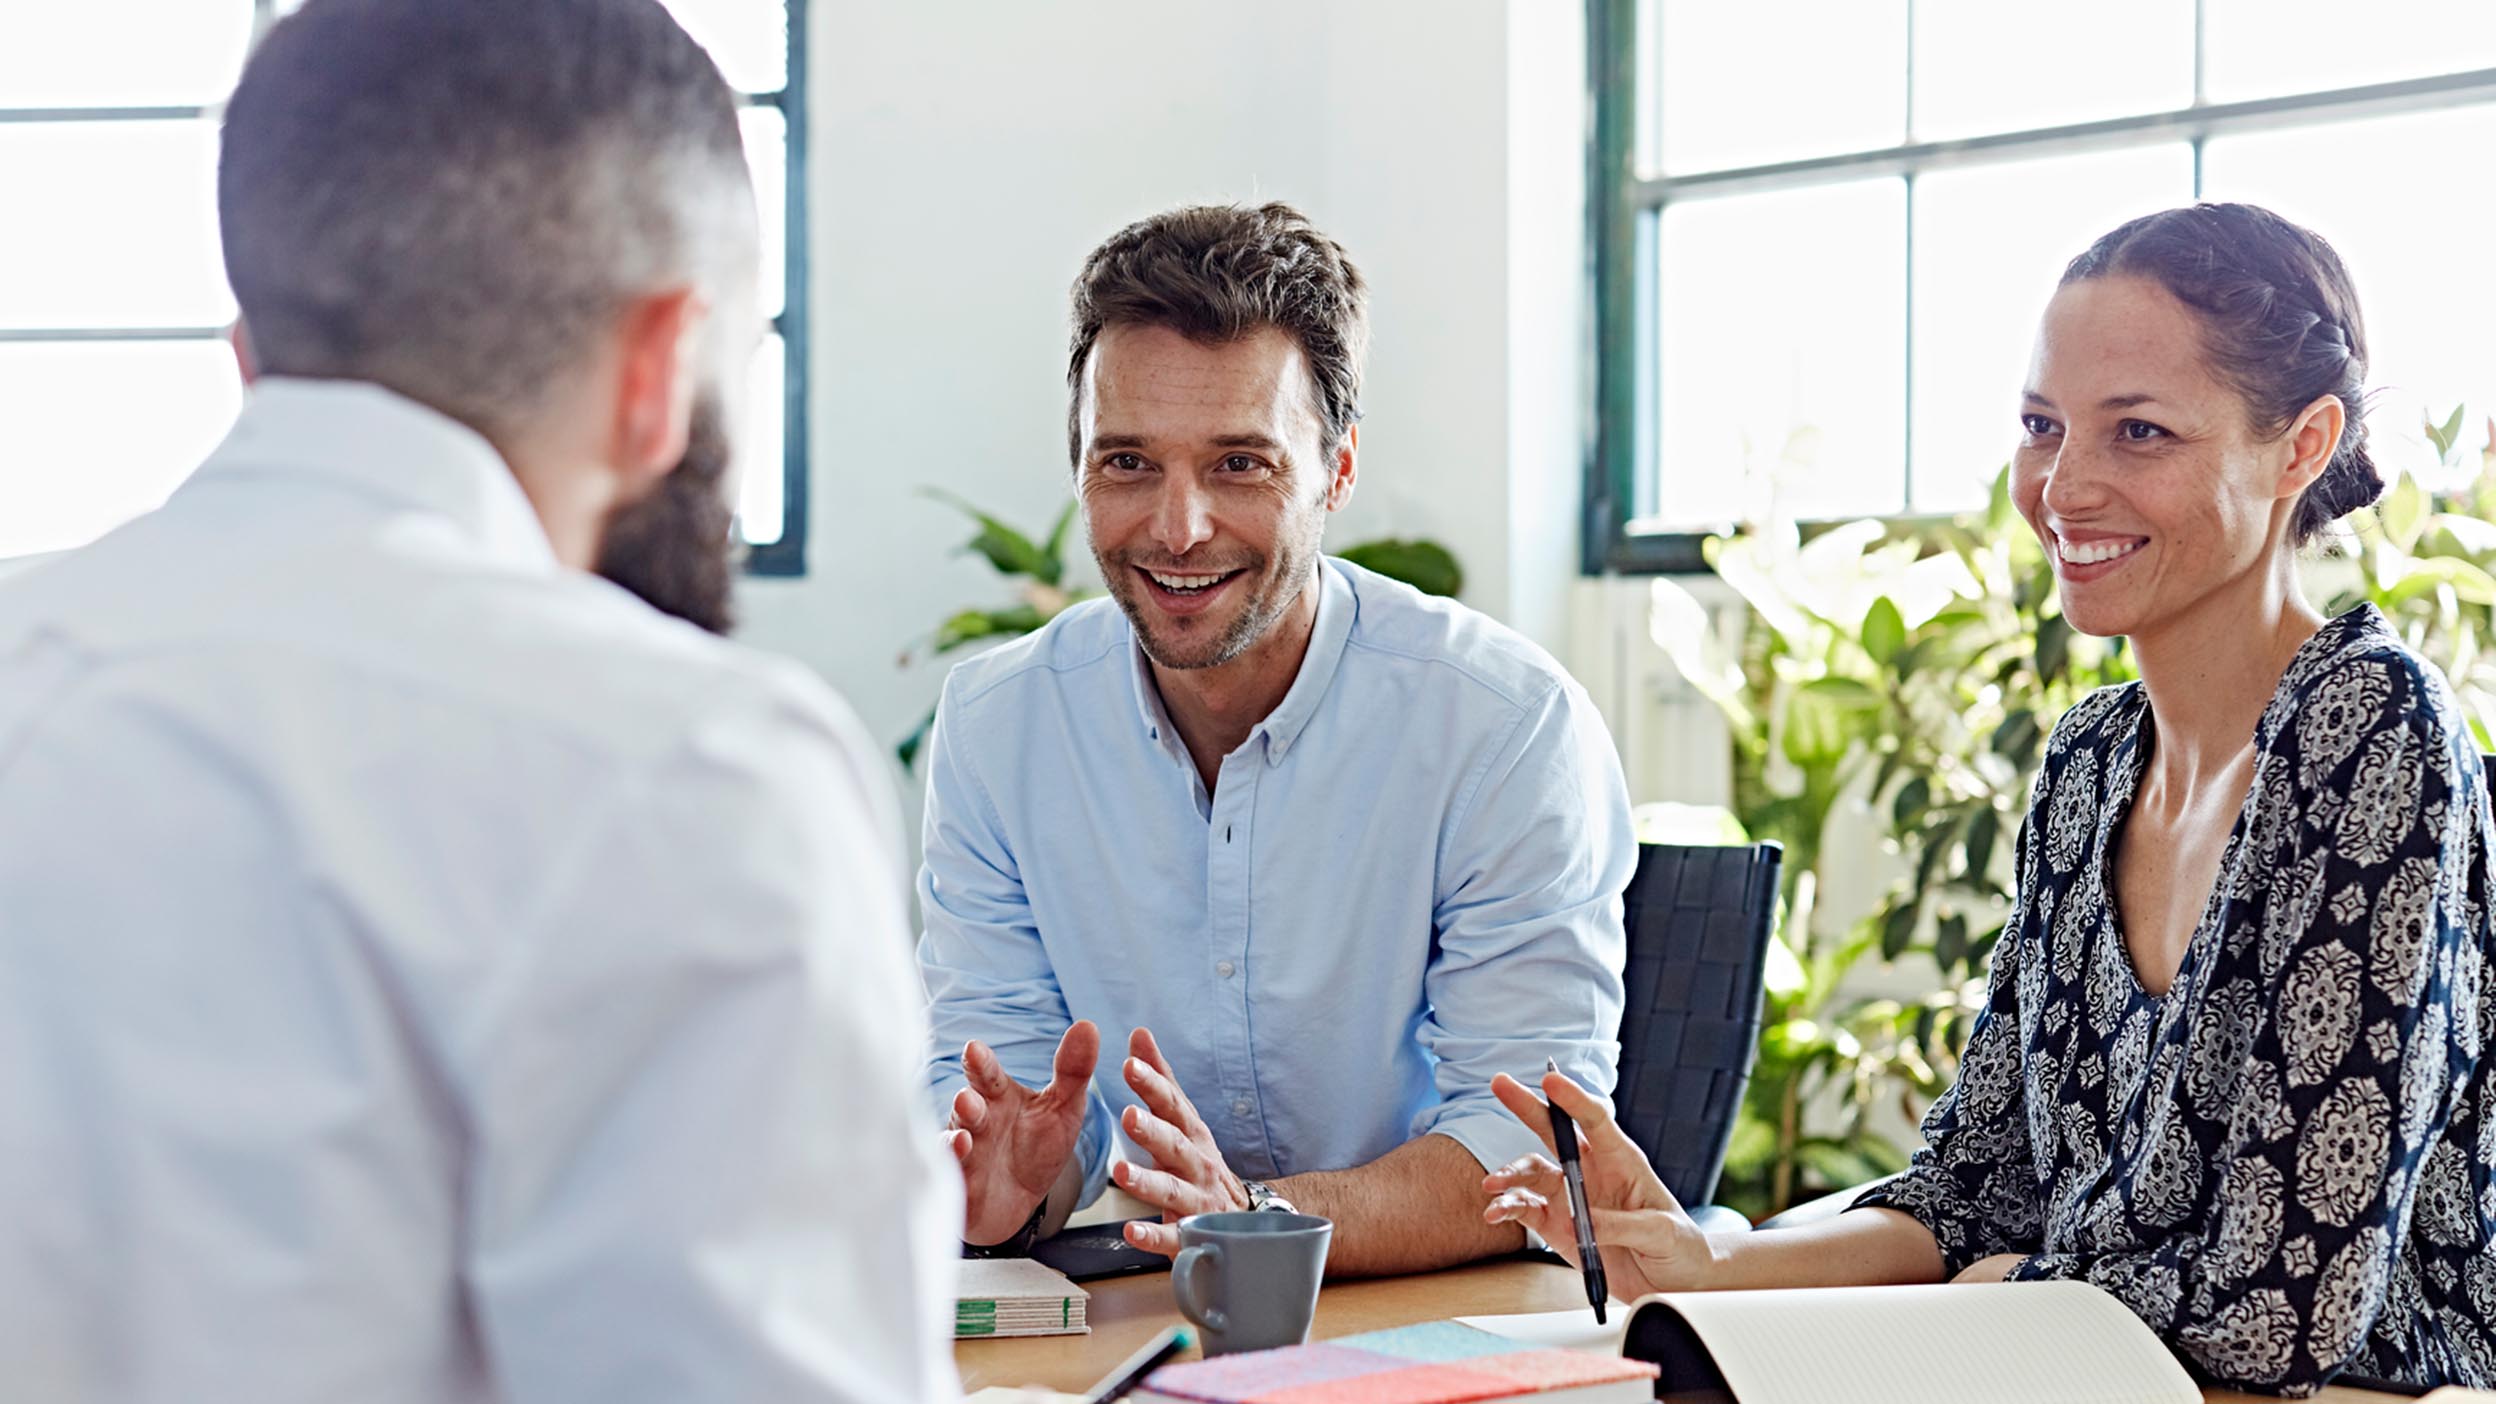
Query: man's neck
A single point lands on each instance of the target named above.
(1216, 708)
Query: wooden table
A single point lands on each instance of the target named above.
(1125, 1312)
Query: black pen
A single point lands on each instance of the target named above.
(1564, 1139)
(1127, 1376)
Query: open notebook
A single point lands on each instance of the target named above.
(2037, 1342)
(1437, 1363)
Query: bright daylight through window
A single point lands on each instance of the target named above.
(114, 377)
(1821, 272)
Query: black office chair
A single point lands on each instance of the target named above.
(1698, 920)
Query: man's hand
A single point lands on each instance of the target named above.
(1188, 1176)
(1648, 1244)
(1013, 1142)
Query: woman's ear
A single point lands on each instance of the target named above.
(2312, 438)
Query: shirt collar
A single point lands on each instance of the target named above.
(371, 440)
(1327, 637)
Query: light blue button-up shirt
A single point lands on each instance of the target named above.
(1405, 880)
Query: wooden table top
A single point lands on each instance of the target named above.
(1125, 1312)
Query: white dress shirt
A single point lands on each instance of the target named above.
(427, 973)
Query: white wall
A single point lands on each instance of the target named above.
(966, 156)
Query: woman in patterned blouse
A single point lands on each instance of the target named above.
(2230, 1065)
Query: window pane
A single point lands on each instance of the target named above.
(2414, 238)
(2262, 48)
(118, 218)
(748, 39)
(767, 152)
(762, 500)
(1783, 340)
(100, 432)
(122, 53)
(1990, 243)
(1776, 80)
(1986, 66)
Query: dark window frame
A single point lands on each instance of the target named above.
(785, 557)
(1625, 204)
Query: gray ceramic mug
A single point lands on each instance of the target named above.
(1250, 1279)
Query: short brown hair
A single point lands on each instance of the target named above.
(1216, 273)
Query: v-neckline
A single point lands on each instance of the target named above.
(2122, 794)
(2123, 788)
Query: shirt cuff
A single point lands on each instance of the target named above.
(1493, 1136)
(1094, 1151)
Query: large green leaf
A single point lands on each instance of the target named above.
(1010, 551)
(1884, 631)
(972, 625)
(1427, 566)
(1826, 719)
(2446, 434)
(2403, 512)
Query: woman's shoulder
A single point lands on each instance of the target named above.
(2096, 724)
(2356, 678)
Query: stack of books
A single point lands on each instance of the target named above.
(1016, 1297)
(1438, 1363)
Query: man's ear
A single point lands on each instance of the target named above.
(659, 340)
(246, 360)
(1347, 470)
(2312, 438)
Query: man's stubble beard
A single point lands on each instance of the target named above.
(1278, 589)
(677, 547)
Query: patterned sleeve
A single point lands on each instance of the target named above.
(1973, 1183)
(2287, 1213)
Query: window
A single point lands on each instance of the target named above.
(114, 377)
(1824, 229)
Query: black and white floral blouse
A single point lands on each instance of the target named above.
(2283, 1164)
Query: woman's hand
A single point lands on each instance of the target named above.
(1648, 1243)
(1994, 1269)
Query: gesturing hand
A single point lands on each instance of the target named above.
(1013, 1142)
(1188, 1176)
(1648, 1243)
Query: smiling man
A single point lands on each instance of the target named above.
(1325, 852)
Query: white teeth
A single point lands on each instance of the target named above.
(1182, 582)
(2095, 552)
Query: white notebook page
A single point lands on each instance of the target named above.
(2036, 1342)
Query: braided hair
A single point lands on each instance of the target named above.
(2280, 324)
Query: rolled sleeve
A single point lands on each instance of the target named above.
(1527, 965)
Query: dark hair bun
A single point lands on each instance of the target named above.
(2279, 320)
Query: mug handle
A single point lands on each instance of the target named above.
(1183, 1275)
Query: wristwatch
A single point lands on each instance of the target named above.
(1016, 1245)
(1263, 1199)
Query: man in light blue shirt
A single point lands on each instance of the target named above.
(1327, 852)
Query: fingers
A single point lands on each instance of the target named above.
(1526, 1107)
(1142, 1044)
(1591, 1113)
(1532, 1172)
(985, 1074)
(970, 1111)
(1162, 1141)
(1154, 1238)
(1161, 1095)
(959, 1142)
(1167, 1192)
(1077, 1054)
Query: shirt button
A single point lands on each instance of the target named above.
(1226, 970)
(1242, 1107)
